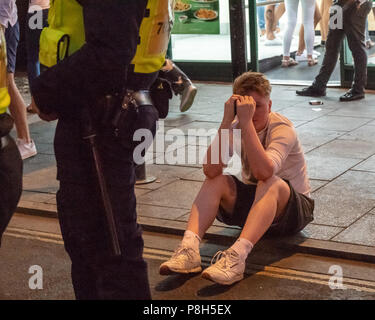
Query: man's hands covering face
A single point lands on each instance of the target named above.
(245, 108)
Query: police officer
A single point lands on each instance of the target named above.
(354, 16)
(10, 159)
(105, 66)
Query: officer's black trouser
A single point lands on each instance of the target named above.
(95, 274)
(354, 22)
(10, 180)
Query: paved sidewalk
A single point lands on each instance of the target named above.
(338, 139)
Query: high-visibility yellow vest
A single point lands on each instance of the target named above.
(65, 33)
(4, 96)
(154, 36)
(65, 20)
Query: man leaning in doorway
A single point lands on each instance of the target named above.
(354, 15)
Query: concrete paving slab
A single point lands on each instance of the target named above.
(199, 128)
(364, 133)
(325, 167)
(217, 117)
(299, 123)
(42, 180)
(320, 232)
(164, 175)
(316, 184)
(360, 232)
(360, 109)
(301, 111)
(336, 123)
(352, 149)
(367, 165)
(45, 148)
(179, 119)
(39, 162)
(43, 132)
(139, 192)
(178, 194)
(311, 139)
(346, 199)
(188, 156)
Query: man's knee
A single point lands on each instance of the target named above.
(274, 185)
(224, 185)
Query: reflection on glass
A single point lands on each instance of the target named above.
(201, 31)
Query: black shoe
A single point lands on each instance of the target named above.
(311, 92)
(352, 95)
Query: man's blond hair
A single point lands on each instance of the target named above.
(252, 81)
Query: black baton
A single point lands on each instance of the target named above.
(89, 134)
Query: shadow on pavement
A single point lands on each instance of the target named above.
(174, 281)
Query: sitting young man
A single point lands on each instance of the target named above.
(273, 196)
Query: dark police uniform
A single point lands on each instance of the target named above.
(10, 159)
(98, 69)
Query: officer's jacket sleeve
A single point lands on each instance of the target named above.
(111, 29)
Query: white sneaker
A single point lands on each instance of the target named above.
(26, 150)
(274, 42)
(227, 269)
(184, 260)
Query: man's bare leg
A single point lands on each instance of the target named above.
(214, 192)
(270, 202)
(279, 11)
(17, 109)
(270, 21)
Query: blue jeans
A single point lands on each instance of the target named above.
(32, 46)
(12, 37)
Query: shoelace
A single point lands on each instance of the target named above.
(183, 250)
(224, 258)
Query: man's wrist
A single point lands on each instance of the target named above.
(247, 127)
